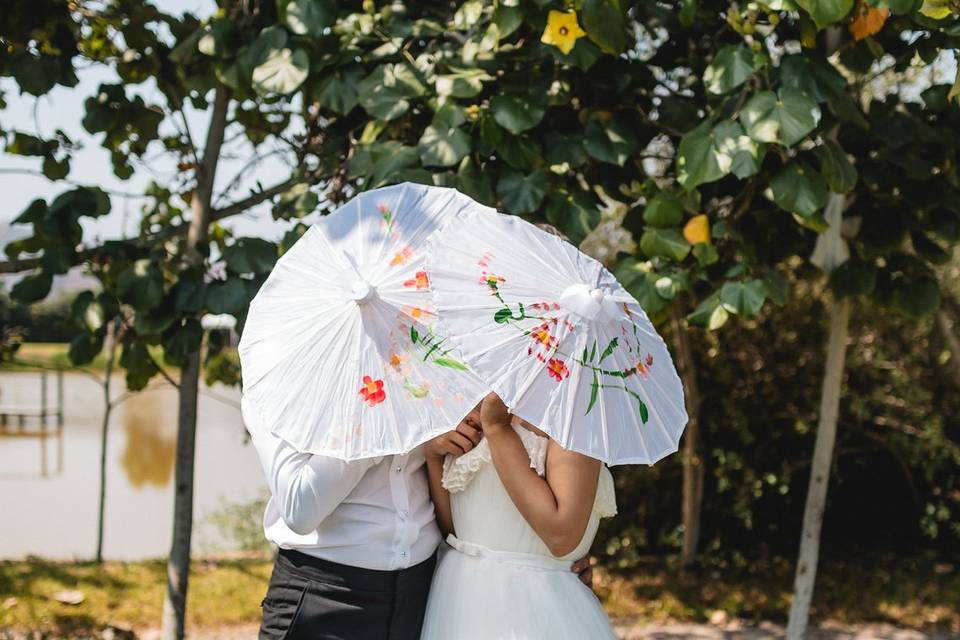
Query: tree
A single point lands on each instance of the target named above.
(717, 129)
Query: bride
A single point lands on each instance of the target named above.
(516, 510)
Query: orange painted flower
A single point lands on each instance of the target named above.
(372, 391)
(543, 337)
(491, 280)
(401, 257)
(557, 369)
(419, 281)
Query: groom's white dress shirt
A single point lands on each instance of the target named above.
(373, 513)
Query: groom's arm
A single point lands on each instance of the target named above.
(306, 487)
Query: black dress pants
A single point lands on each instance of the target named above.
(313, 599)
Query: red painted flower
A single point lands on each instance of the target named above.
(557, 369)
(372, 391)
(419, 281)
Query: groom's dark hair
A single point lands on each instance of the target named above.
(552, 230)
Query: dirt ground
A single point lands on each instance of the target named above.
(730, 631)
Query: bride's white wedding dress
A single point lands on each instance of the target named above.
(499, 581)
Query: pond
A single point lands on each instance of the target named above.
(49, 487)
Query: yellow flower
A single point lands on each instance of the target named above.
(562, 30)
(936, 9)
(697, 229)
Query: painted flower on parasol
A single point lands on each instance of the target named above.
(340, 353)
(554, 334)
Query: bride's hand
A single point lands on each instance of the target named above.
(494, 416)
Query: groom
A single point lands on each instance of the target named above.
(357, 540)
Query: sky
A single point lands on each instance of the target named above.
(63, 109)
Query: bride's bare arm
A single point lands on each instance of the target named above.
(558, 506)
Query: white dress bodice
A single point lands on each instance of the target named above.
(483, 513)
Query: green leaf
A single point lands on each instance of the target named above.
(141, 285)
(414, 335)
(516, 113)
(139, 365)
(826, 12)
(311, 17)
(85, 347)
(564, 148)
(705, 254)
(710, 152)
(443, 143)
(605, 24)
(522, 193)
(853, 278)
(250, 255)
(32, 288)
(181, 340)
(502, 316)
(283, 71)
(385, 91)
(785, 118)
(743, 297)
(798, 188)
(710, 313)
(836, 167)
(667, 243)
(613, 141)
(450, 363)
(227, 296)
(338, 90)
(729, 69)
(663, 210)
(575, 214)
(462, 83)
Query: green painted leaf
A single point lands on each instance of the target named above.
(798, 188)
(613, 141)
(516, 113)
(502, 316)
(450, 363)
(784, 118)
(610, 347)
(826, 12)
(667, 243)
(522, 193)
(414, 335)
(729, 69)
(594, 392)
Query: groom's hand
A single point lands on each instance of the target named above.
(583, 570)
(457, 442)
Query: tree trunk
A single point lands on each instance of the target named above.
(693, 469)
(178, 564)
(820, 469)
(107, 410)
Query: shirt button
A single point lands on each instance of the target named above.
(403, 554)
(399, 469)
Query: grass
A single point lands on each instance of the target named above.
(45, 355)
(919, 593)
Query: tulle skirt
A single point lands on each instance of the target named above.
(479, 594)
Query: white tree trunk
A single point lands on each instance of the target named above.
(178, 564)
(820, 469)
